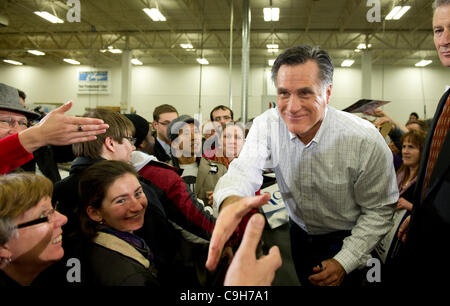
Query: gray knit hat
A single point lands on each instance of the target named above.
(176, 124)
(9, 100)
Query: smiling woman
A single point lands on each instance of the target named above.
(35, 242)
(114, 206)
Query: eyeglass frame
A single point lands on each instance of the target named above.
(12, 122)
(218, 118)
(48, 213)
(132, 140)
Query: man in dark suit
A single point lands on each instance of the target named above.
(162, 116)
(427, 234)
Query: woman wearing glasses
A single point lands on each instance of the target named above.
(34, 241)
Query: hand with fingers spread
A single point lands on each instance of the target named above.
(56, 128)
(245, 269)
(331, 274)
(232, 211)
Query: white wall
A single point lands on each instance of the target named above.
(408, 88)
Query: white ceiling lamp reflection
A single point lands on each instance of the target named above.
(36, 52)
(271, 14)
(154, 14)
(423, 63)
(136, 62)
(12, 62)
(347, 63)
(49, 17)
(397, 12)
(71, 61)
(202, 61)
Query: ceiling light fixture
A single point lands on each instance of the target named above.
(271, 14)
(135, 61)
(114, 50)
(71, 61)
(423, 63)
(347, 63)
(363, 46)
(202, 61)
(397, 12)
(36, 52)
(270, 62)
(13, 62)
(186, 46)
(272, 46)
(154, 14)
(49, 17)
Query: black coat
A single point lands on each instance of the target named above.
(157, 231)
(427, 249)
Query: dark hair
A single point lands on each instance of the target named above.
(162, 109)
(92, 188)
(222, 107)
(417, 138)
(119, 128)
(300, 55)
(421, 123)
(22, 94)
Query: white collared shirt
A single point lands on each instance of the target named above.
(344, 179)
(164, 145)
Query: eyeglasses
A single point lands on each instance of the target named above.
(224, 118)
(164, 123)
(46, 216)
(7, 122)
(132, 140)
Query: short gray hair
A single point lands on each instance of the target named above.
(6, 230)
(301, 54)
(438, 3)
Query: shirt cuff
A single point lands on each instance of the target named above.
(348, 261)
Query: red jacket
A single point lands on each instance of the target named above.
(12, 154)
(186, 212)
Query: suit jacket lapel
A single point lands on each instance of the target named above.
(443, 162)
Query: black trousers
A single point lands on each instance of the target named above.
(309, 251)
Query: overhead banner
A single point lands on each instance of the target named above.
(94, 82)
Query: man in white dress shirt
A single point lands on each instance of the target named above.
(334, 170)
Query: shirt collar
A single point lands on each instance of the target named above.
(319, 132)
(165, 146)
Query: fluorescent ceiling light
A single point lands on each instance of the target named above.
(397, 12)
(12, 62)
(36, 52)
(186, 46)
(363, 46)
(190, 49)
(135, 61)
(402, 12)
(270, 62)
(49, 17)
(347, 63)
(202, 61)
(115, 51)
(357, 50)
(272, 46)
(154, 14)
(71, 61)
(272, 50)
(423, 63)
(271, 13)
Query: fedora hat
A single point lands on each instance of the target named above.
(9, 100)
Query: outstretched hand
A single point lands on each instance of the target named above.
(56, 128)
(227, 221)
(245, 269)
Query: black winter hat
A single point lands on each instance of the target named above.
(140, 125)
